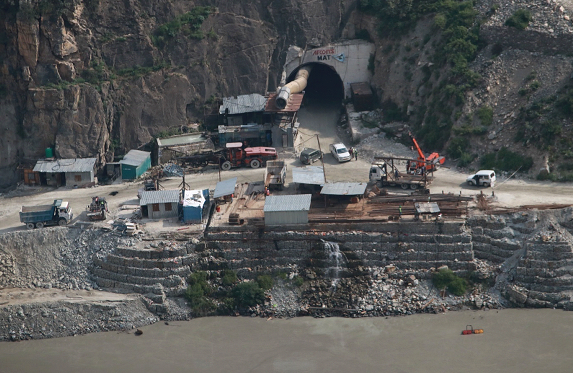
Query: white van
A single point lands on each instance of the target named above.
(484, 178)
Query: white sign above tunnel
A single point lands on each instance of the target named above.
(349, 59)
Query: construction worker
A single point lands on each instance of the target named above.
(356, 154)
(400, 211)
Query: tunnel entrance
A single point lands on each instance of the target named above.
(324, 87)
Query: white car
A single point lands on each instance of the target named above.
(484, 178)
(339, 152)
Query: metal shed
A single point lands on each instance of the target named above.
(287, 209)
(225, 188)
(191, 143)
(157, 204)
(362, 97)
(309, 175)
(193, 205)
(72, 172)
(242, 109)
(344, 189)
(134, 164)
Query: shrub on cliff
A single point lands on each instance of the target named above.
(446, 278)
(520, 19)
(197, 294)
(248, 294)
(229, 277)
(265, 282)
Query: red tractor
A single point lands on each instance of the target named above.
(424, 164)
(237, 156)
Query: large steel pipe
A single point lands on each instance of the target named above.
(296, 86)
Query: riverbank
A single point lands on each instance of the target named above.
(516, 340)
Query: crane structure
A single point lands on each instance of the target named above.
(423, 164)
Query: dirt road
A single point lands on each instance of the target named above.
(321, 120)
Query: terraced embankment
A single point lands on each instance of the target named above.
(349, 269)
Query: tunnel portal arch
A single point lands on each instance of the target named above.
(323, 85)
(348, 60)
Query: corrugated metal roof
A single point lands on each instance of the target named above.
(344, 189)
(66, 165)
(181, 140)
(135, 157)
(292, 202)
(427, 207)
(243, 104)
(313, 175)
(293, 103)
(225, 188)
(158, 196)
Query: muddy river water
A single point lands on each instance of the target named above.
(513, 341)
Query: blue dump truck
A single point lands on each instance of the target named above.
(58, 213)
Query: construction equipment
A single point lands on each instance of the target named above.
(384, 172)
(97, 209)
(58, 213)
(275, 174)
(234, 155)
(237, 156)
(423, 164)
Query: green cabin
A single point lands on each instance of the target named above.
(134, 164)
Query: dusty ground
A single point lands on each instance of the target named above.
(318, 120)
(11, 296)
(322, 121)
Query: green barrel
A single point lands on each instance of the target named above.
(49, 153)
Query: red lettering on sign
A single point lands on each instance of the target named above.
(323, 51)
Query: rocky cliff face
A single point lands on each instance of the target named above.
(91, 78)
(99, 77)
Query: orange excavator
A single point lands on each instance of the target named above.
(423, 164)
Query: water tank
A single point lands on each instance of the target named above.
(49, 153)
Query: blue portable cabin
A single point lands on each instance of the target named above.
(134, 164)
(193, 205)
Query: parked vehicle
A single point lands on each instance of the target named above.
(97, 209)
(384, 174)
(275, 174)
(484, 178)
(236, 156)
(58, 213)
(309, 155)
(340, 152)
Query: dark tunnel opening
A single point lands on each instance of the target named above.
(324, 87)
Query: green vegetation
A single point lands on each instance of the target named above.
(393, 113)
(188, 24)
(447, 279)
(229, 278)
(139, 71)
(198, 292)
(248, 294)
(519, 19)
(265, 282)
(458, 150)
(222, 293)
(485, 115)
(298, 281)
(506, 160)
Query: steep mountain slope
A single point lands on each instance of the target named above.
(99, 77)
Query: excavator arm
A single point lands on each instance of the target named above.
(421, 155)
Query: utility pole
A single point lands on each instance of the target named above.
(321, 158)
